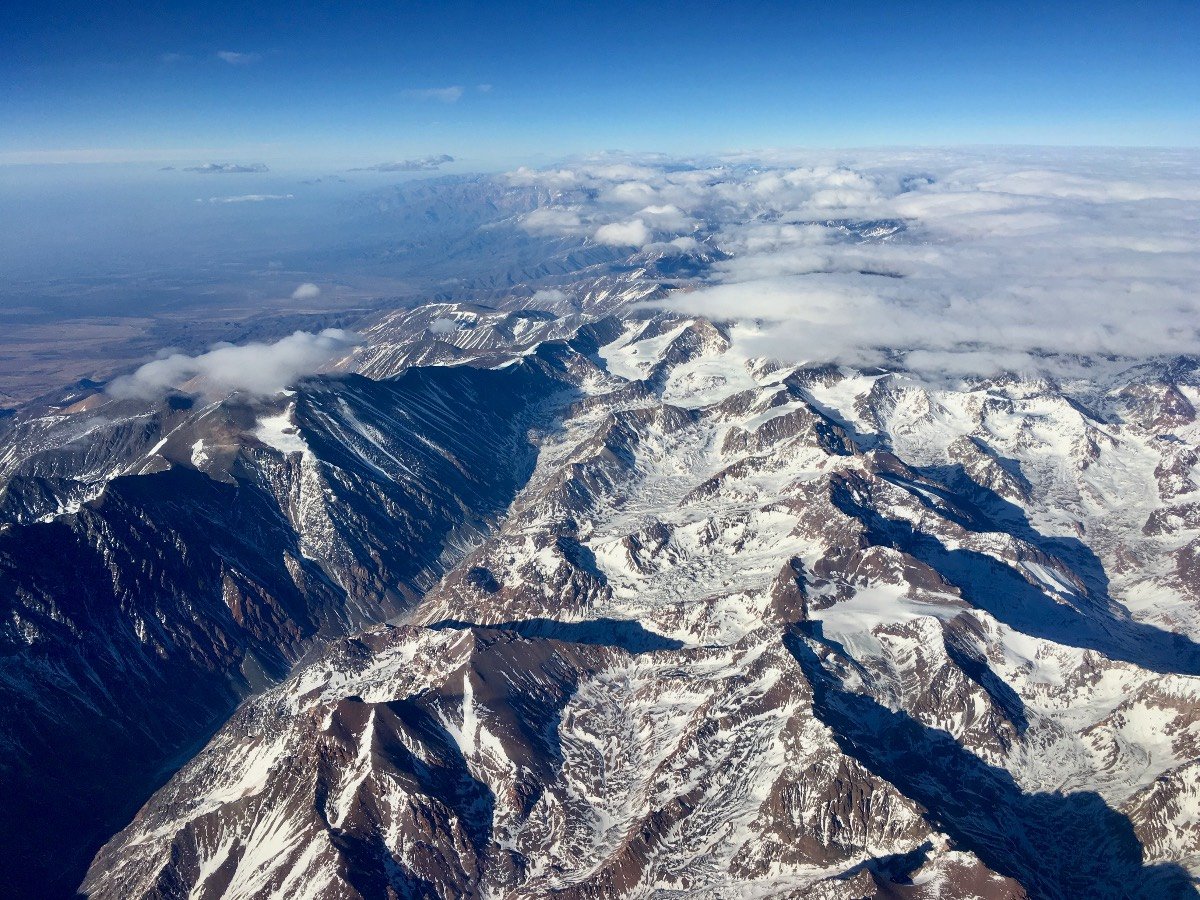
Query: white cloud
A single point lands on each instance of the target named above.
(228, 168)
(419, 164)
(630, 193)
(248, 198)
(1074, 186)
(667, 217)
(442, 326)
(306, 291)
(235, 58)
(559, 179)
(450, 94)
(977, 261)
(549, 296)
(548, 220)
(256, 368)
(685, 244)
(633, 233)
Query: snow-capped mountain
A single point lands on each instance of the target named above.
(750, 631)
(613, 589)
(158, 567)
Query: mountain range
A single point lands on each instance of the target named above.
(560, 585)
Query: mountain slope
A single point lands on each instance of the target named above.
(752, 631)
(219, 543)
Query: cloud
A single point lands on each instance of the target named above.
(419, 164)
(248, 198)
(614, 201)
(950, 263)
(483, 88)
(633, 233)
(685, 244)
(667, 217)
(631, 193)
(1017, 272)
(306, 291)
(442, 326)
(449, 94)
(549, 296)
(256, 368)
(551, 221)
(228, 169)
(238, 59)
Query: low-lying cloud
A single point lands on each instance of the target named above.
(951, 264)
(257, 368)
(633, 233)
(419, 164)
(248, 198)
(228, 169)
(306, 291)
(550, 296)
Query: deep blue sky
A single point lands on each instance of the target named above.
(318, 85)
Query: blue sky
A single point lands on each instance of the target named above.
(497, 83)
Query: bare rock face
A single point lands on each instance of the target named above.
(789, 593)
(1163, 815)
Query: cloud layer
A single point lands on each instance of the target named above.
(952, 264)
(419, 164)
(228, 169)
(248, 198)
(256, 368)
